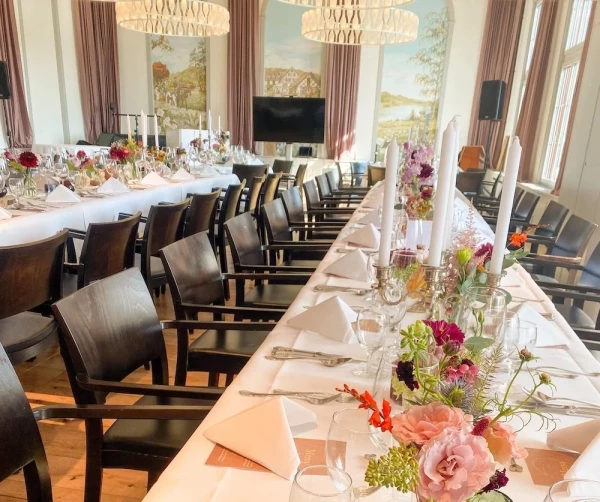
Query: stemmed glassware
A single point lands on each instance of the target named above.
(16, 188)
(572, 490)
(371, 330)
(319, 482)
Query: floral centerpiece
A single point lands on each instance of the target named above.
(24, 163)
(416, 178)
(124, 151)
(454, 440)
(221, 144)
(81, 162)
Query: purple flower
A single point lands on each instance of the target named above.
(485, 252)
(498, 480)
(426, 171)
(405, 373)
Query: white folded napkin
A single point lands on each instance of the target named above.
(366, 237)
(264, 434)
(332, 318)
(4, 214)
(352, 265)
(112, 185)
(62, 194)
(153, 180)
(182, 175)
(371, 218)
(548, 334)
(586, 467)
(575, 438)
(208, 172)
(254, 162)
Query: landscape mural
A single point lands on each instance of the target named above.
(412, 77)
(179, 81)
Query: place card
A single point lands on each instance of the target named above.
(548, 466)
(310, 451)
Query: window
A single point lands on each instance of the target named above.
(534, 31)
(567, 82)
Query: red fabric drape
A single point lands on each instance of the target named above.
(497, 62)
(343, 69)
(18, 118)
(242, 60)
(98, 64)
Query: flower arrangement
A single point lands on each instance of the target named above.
(222, 140)
(81, 162)
(23, 163)
(419, 203)
(124, 151)
(416, 168)
(453, 431)
(158, 154)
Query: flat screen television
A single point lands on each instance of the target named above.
(289, 120)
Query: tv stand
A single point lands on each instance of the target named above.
(289, 151)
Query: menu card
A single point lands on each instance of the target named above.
(548, 466)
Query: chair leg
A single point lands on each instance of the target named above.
(163, 289)
(156, 292)
(152, 478)
(93, 461)
(223, 263)
(147, 366)
(213, 379)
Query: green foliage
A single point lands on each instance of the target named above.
(478, 344)
(398, 469)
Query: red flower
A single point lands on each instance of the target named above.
(9, 156)
(444, 332)
(498, 480)
(379, 418)
(481, 426)
(118, 152)
(427, 193)
(405, 371)
(518, 240)
(81, 155)
(28, 160)
(426, 171)
(485, 250)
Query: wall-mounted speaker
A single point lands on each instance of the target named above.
(491, 102)
(4, 81)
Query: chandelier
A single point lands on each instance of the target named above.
(355, 25)
(185, 18)
(347, 4)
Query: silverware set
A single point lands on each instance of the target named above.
(565, 373)
(287, 354)
(311, 397)
(323, 288)
(541, 401)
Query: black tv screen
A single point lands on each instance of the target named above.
(289, 120)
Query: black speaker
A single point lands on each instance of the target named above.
(491, 103)
(105, 139)
(4, 81)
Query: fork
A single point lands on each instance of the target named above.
(567, 371)
(311, 398)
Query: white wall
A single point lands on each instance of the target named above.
(368, 102)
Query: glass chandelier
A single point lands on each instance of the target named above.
(354, 4)
(360, 26)
(185, 18)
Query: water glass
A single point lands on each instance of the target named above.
(527, 336)
(319, 482)
(351, 443)
(370, 329)
(17, 188)
(574, 490)
(4, 170)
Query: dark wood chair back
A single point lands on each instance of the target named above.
(300, 175)
(468, 182)
(312, 195)
(574, 238)
(193, 272)
(519, 192)
(21, 444)
(231, 202)
(526, 206)
(282, 166)
(590, 276)
(253, 194)
(358, 170)
(108, 330)
(30, 274)
(552, 220)
(323, 186)
(270, 188)
(201, 213)
(108, 248)
(248, 173)
(275, 221)
(292, 202)
(333, 179)
(244, 241)
(164, 225)
(375, 174)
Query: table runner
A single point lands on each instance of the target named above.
(188, 479)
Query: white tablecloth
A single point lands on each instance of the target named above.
(188, 479)
(36, 226)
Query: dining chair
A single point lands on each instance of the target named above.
(483, 203)
(248, 173)
(282, 166)
(108, 248)
(468, 182)
(568, 247)
(249, 263)
(326, 195)
(359, 171)
(119, 333)
(202, 213)
(337, 188)
(522, 214)
(21, 446)
(300, 175)
(314, 202)
(196, 286)
(30, 279)
(229, 208)
(252, 197)
(164, 225)
(550, 223)
(268, 194)
(375, 174)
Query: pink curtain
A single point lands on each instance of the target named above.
(343, 68)
(529, 116)
(98, 65)
(563, 159)
(497, 62)
(18, 118)
(242, 60)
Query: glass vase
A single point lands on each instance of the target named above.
(29, 187)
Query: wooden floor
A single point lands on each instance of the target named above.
(45, 381)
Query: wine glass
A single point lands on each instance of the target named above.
(16, 188)
(370, 329)
(351, 443)
(572, 490)
(319, 482)
(527, 335)
(4, 170)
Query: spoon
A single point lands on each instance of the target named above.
(323, 288)
(338, 361)
(555, 370)
(541, 397)
(311, 398)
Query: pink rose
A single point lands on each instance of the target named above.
(454, 466)
(502, 442)
(421, 423)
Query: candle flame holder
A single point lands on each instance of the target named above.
(384, 280)
(493, 280)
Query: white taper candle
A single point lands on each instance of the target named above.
(219, 125)
(156, 142)
(442, 193)
(209, 130)
(451, 199)
(506, 204)
(389, 199)
(144, 129)
(128, 128)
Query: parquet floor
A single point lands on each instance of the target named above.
(45, 382)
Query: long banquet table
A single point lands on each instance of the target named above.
(26, 227)
(188, 479)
